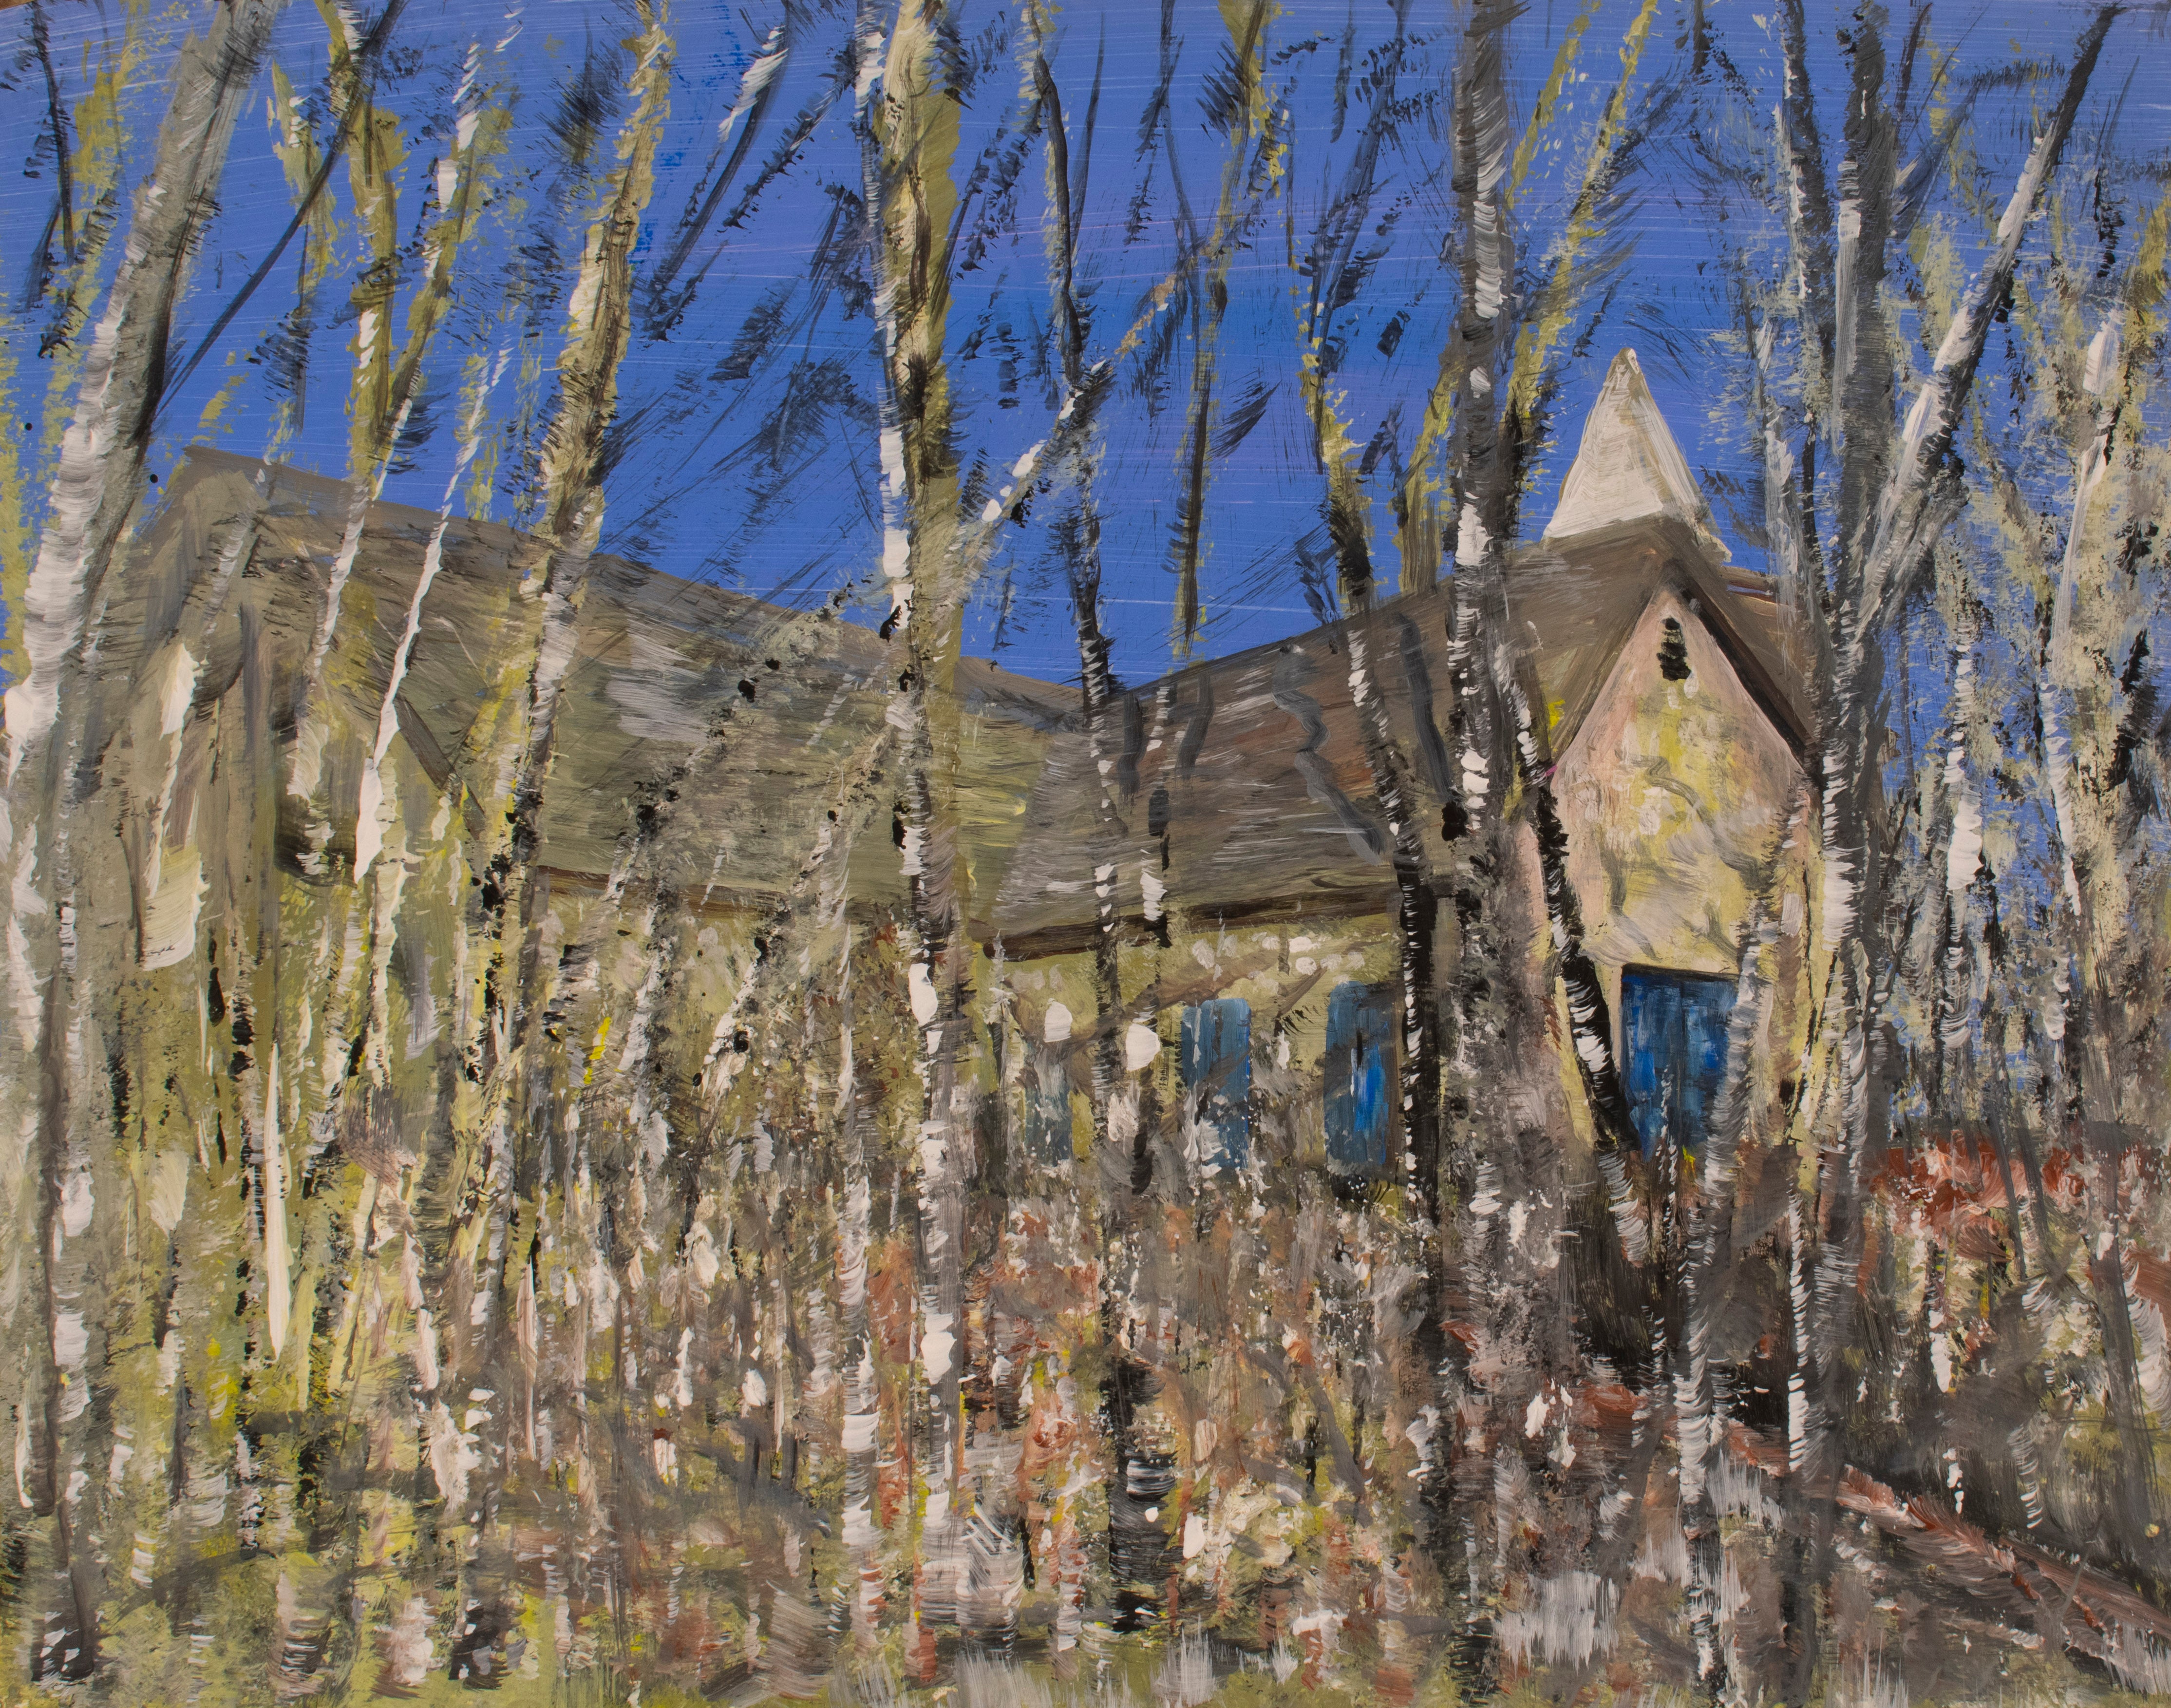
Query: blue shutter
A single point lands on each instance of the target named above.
(1360, 1055)
(1048, 1107)
(1214, 1061)
(1673, 1035)
(1650, 1021)
(1707, 1004)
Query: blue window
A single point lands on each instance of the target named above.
(1672, 1033)
(1047, 1106)
(1360, 1075)
(1214, 1059)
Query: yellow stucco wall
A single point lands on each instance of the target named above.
(1676, 795)
(1286, 972)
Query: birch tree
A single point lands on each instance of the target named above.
(97, 486)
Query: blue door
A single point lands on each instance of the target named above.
(1214, 1061)
(1360, 1057)
(1673, 1035)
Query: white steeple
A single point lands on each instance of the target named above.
(1628, 465)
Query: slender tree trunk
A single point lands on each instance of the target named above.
(2087, 1043)
(911, 201)
(1896, 494)
(96, 488)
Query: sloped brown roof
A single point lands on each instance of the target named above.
(655, 689)
(1252, 767)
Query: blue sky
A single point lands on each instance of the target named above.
(745, 456)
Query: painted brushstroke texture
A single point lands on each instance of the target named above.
(600, 1107)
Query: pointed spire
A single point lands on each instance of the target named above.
(1628, 466)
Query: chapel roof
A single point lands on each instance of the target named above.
(1253, 761)
(1254, 765)
(656, 693)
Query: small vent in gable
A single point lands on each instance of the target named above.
(1674, 652)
